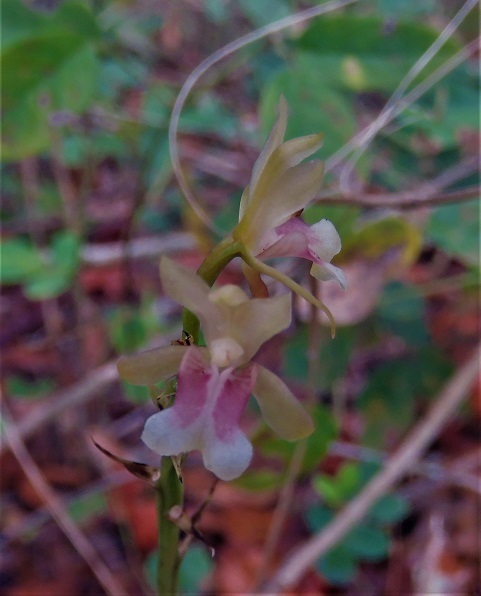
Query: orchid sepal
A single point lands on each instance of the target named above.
(280, 408)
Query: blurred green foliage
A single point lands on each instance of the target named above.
(42, 274)
(368, 540)
(84, 85)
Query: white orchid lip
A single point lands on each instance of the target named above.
(225, 351)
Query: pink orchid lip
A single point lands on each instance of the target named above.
(318, 243)
(205, 416)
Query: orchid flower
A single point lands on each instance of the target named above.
(214, 383)
(280, 188)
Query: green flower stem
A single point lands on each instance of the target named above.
(209, 271)
(288, 282)
(169, 490)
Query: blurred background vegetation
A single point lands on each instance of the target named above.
(90, 202)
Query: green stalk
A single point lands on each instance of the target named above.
(169, 488)
(169, 491)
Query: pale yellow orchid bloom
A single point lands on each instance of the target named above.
(280, 188)
(214, 383)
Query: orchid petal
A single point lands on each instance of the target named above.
(244, 201)
(226, 450)
(152, 366)
(259, 319)
(274, 140)
(286, 157)
(179, 428)
(293, 191)
(227, 460)
(280, 409)
(163, 434)
(184, 286)
(193, 388)
(327, 272)
(287, 195)
(291, 240)
(324, 240)
(205, 415)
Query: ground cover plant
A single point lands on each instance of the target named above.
(131, 142)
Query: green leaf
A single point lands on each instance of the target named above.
(18, 23)
(126, 329)
(19, 260)
(210, 116)
(367, 542)
(401, 311)
(317, 444)
(317, 517)
(357, 51)
(374, 239)
(455, 229)
(216, 10)
(338, 567)
(389, 398)
(329, 490)
(437, 122)
(338, 489)
(315, 105)
(389, 509)
(263, 12)
(55, 277)
(258, 480)
(21, 388)
(48, 283)
(83, 508)
(348, 477)
(135, 393)
(53, 68)
(194, 568)
(66, 252)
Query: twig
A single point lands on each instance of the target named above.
(34, 521)
(428, 193)
(281, 512)
(370, 132)
(404, 200)
(440, 473)
(78, 393)
(56, 509)
(111, 252)
(70, 397)
(415, 443)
